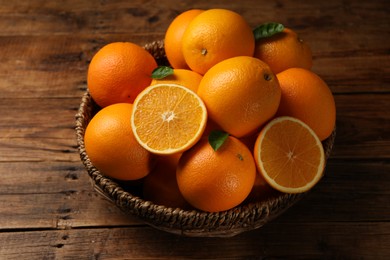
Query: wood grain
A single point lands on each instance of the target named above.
(51, 195)
(276, 240)
(363, 129)
(48, 207)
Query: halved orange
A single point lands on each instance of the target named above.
(289, 155)
(168, 118)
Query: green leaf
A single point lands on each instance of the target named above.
(161, 72)
(217, 138)
(267, 30)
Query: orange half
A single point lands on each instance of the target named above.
(168, 118)
(289, 155)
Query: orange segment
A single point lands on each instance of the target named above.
(289, 155)
(168, 118)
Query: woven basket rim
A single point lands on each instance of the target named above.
(192, 222)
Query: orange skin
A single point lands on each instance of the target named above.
(187, 78)
(261, 190)
(219, 180)
(307, 97)
(173, 38)
(284, 50)
(112, 147)
(240, 94)
(119, 72)
(160, 186)
(216, 35)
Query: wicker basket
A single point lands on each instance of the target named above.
(245, 217)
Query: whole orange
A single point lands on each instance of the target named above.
(118, 72)
(112, 147)
(210, 127)
(261, 190)
(219, 180)
(173, 38)
(216, 35)
(160, 186)
(306, 96)
(240, 94)
(186, 78)
(284, 50)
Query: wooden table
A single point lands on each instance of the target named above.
(48, 208)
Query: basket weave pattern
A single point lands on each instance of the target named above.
(174, 220)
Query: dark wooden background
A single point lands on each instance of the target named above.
(48, 208)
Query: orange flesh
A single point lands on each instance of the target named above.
(169, 118)
(290, 164)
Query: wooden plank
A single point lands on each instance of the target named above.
(278, 240)
(363, 126)
(43, 129)
(55, 195)
(48, 209)
(354, 61)
(120, 16)
(52, 195)
(37, 118)
(38, 150)
(38, 70)
(355, 74)
(70, 209)
(74, 16)
(50, 66)
(25, 178)
(350, 190)
(38, 130)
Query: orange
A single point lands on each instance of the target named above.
(284, 50)
(289, 155)
(168, 118)
(186, 78)
(173, 38)
(211, 126)
(118, 72)
(240, 94)
(250, 140)
(307, 97)
(160, 186)
(219, 180)
(216, 35)
(261, 190)
(112, 147)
